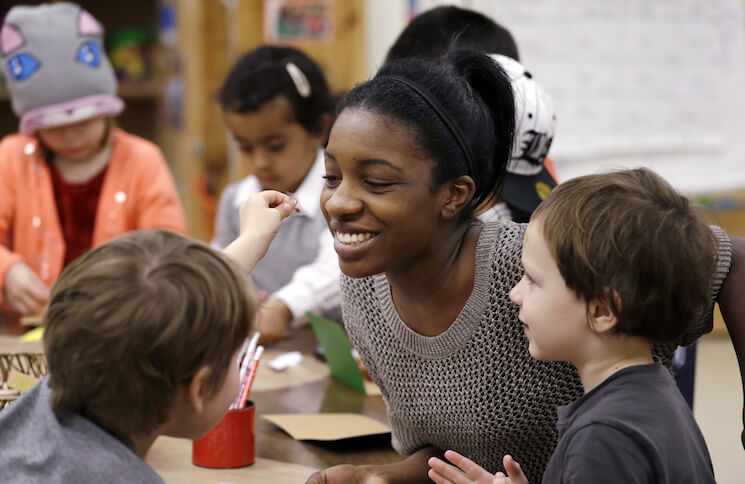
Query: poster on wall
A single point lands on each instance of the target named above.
(298, 21)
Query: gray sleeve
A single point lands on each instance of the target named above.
(227, 221)
(601, 453)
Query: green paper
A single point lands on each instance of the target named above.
(337, 351)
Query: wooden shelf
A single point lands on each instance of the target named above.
(142, 90)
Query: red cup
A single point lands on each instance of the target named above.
(230, 443)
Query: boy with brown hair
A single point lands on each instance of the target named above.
(142, 337)
(613, 263)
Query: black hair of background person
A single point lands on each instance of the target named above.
(261, 75)
(489, 116)
(430, 34)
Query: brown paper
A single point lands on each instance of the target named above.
(327, 426)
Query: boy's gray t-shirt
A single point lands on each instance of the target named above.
(40, 445)
(633, 427)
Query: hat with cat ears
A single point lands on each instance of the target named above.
(55, 67)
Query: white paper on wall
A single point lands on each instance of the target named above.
(636, 82)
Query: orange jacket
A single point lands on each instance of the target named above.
(138, 193)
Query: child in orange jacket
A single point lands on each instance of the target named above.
(70, 179)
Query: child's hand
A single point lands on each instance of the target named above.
(272, 321)
(467, 471)
(24, 291)
(514, 472)
(260, 218)
(262, 212)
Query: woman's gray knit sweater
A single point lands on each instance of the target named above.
(475, 388)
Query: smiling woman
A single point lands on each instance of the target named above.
(384, 201)
(425, 290)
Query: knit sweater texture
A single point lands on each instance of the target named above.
(475, 388)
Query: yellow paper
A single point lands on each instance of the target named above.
(20, 381)
(327, 426)
(35, 334)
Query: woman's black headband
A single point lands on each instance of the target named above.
(445, 118)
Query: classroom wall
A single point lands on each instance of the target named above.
(635, 83)
(385, 19)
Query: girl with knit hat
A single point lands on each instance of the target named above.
(70, 179)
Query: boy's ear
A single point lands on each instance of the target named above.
(457, 194)
(196, 390)
(602, 316)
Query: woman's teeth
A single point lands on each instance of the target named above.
(347, 238)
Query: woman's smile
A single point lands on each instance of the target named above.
(353, 244)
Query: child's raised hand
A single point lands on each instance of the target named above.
(260, 217)
(263, 211)
(466, 471)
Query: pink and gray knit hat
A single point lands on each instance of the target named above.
(55, 67)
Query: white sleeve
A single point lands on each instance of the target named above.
(314, 287)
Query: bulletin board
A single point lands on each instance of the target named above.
(639, 83)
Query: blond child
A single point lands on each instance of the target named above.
(70, 179)
(613, 263)
(142, 336)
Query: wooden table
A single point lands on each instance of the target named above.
(280, 458)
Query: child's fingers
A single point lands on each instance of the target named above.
(451, 473)
(500, 478)
(472, 469)
(26, 302)
(514, 470)
(20, 306)
(446, 472)
(275, 199)
(38, 291)
(286, 209)
(438, 478)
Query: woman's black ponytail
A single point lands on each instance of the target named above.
(490, 83)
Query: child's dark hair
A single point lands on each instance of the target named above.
(131, 322)
(263, 74)
(628, 238)
(432, 32)
(460, 110)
